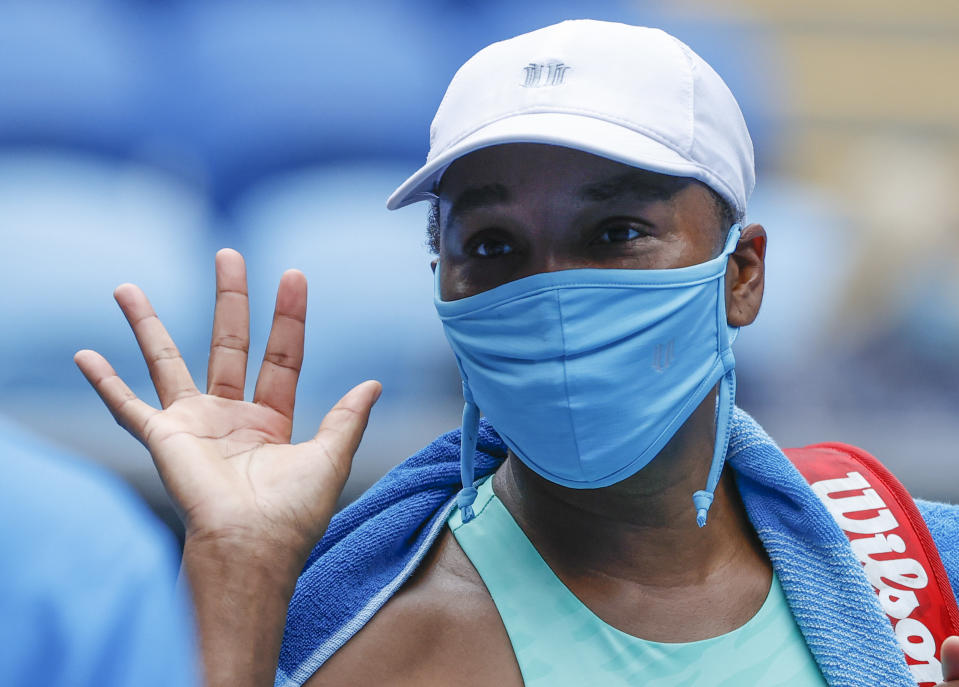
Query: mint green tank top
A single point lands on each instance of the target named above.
(559, 642)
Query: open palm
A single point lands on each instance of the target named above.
(228, 464)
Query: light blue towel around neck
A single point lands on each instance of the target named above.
(374, 544)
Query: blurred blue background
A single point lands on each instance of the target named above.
(138, 137)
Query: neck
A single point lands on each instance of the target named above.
(641, 530)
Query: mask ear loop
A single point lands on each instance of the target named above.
(468, 433)
(703, 498)
(470, 429)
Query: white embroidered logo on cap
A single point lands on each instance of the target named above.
(642, 98)
(539, 75)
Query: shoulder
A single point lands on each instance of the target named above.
(85, 563)
(440, 627)
(943, 522)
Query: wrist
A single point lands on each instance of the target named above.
(241, 589)
(242, 561)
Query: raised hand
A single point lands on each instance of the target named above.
(228, 464)
(253, 504)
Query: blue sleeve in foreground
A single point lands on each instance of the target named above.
(87, 578)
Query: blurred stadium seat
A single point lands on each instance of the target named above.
(799, 302)
(75, 74)
(73, 229)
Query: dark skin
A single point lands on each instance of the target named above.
(632, 552)
(253, 504)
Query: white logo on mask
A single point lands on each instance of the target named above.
(663, 356)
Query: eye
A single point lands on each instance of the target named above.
(490, 248)
(619, 234)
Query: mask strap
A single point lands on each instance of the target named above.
(703, 499)
(467, 495)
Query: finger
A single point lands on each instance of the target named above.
(230, 344)
(276, 383)
(169, 373)
(342, 428)
(129, 411)
(950, 658)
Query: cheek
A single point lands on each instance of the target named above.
(461, 280)
(698, 246)
(452, 287)
(445, 288)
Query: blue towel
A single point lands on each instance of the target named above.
(374, 545)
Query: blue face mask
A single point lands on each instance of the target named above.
(587, 373)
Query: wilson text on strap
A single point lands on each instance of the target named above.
(893, 543)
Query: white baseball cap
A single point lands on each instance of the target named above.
(627, 93)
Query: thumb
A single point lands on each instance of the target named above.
(343, 427)
(950, 658)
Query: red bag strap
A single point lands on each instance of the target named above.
(891, 540)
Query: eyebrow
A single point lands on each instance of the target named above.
(478, 197)
(638, 185)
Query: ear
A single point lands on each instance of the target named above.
(433, 264)
(746, 277)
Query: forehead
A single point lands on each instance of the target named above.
(531, 173)
(540, 166)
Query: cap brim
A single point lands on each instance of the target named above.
(581, 132)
